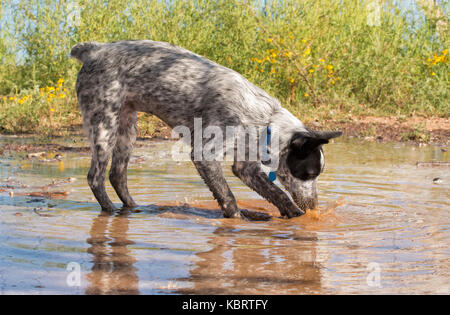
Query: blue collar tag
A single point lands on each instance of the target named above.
(272, 175)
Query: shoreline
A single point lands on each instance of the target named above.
(415, 131)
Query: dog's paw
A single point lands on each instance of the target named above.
(292, 213)
(109, 210)
(249, 215)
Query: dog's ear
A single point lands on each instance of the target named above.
(305, 142)
(327, 134)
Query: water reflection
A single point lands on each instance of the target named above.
(394, 214)
(112, 271)
(260, 261)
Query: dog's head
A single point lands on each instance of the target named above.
(301, 162)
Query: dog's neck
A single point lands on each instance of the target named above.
(284, 125)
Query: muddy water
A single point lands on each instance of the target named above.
(389, 235)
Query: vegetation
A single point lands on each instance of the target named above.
(324, 58)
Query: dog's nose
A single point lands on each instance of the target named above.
(312, 175)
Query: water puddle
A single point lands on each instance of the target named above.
(383, 226)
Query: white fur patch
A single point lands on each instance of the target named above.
(322, 161)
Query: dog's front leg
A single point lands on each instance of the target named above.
(211, 172)
(252, 175)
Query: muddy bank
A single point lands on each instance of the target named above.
(36, 147)
(413, 130)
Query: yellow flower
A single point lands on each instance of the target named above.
(432, 73)
(306, 94)
(445, 52)
(439, 59)
(50, 97)
(24, 99)
(303, 40)
(282, 41)
(269, 40)
(291, 80)
(52, 110)
(62, 95)
(288, 54)
(60, 83)
(322, 60)
(330, 67)
(311, 70)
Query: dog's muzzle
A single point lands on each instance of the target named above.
(305, 195)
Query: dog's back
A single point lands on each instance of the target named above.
(171, 83)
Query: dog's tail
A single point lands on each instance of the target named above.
(84, 51)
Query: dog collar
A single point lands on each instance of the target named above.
(272, 175)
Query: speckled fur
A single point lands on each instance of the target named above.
(119, 79)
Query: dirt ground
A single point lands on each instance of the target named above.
(434, 130)
(415, 130)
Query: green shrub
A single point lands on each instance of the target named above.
(313, 55)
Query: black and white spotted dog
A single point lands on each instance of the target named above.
(119, 79)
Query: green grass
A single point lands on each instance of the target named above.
(320, 58)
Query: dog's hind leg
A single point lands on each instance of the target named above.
(252, 175)
(211, 172)
(126, 137)
(101, 129)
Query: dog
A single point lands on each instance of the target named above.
(119, 79)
